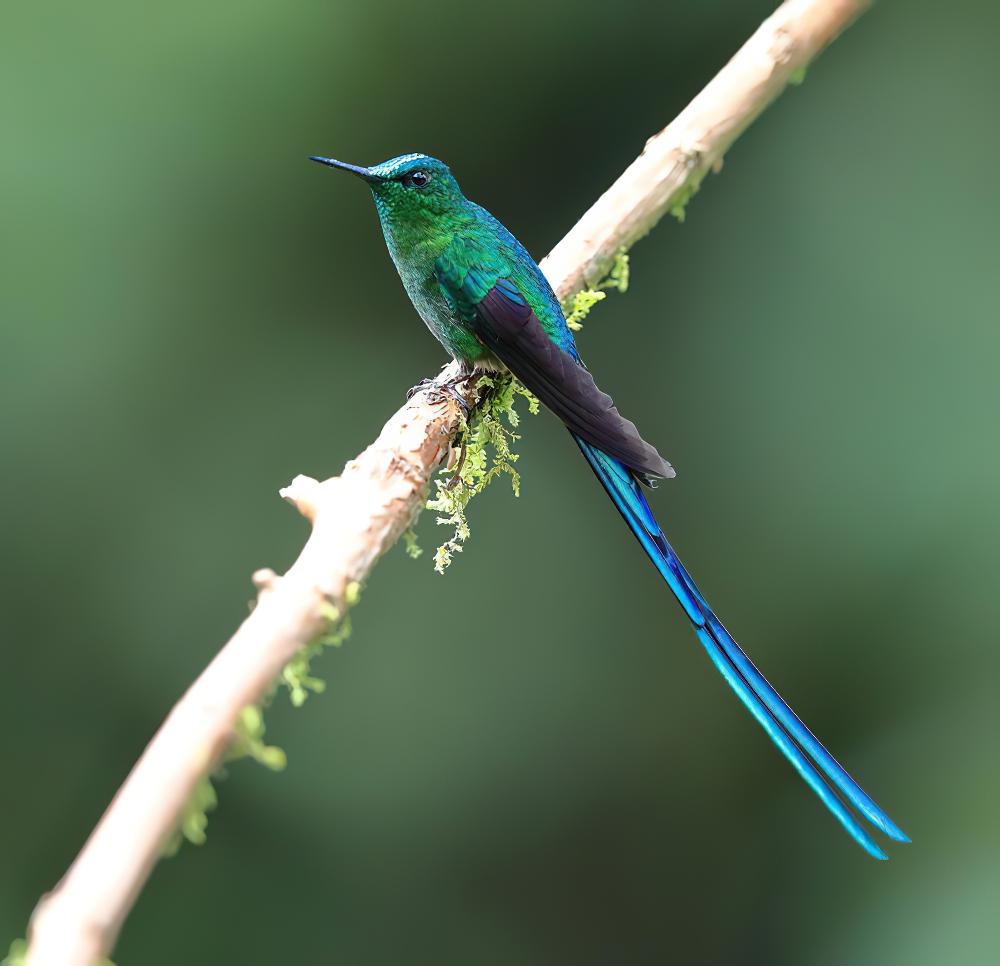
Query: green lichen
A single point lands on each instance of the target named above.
(248, 742)
(678, 205)
(487, 442)
(410, 545)
(248, 734)
(17, 955)
(797, 77)
(297, 674)
(618, 275)
(576, 307)
(194, 818)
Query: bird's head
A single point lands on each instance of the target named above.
(408, 190)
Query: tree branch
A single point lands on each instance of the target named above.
(674, 162)
(357, 516)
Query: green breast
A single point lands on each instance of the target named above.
(414, 254)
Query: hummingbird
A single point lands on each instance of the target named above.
(486, 301)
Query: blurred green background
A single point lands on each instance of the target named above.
(192, 314)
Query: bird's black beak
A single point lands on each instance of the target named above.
(344, 166)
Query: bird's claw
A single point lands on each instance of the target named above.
(423, 384)
(448, 390)
(442, 391)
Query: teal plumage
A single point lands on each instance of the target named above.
(488, 303)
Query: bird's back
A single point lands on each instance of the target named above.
(524, 272)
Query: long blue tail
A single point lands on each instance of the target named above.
(795, 740)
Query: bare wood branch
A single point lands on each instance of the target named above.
(695, 142)
(357, 516)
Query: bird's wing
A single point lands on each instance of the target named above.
(502, 320)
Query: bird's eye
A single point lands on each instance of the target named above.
(416, 179)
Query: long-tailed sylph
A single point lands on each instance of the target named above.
(490, 306)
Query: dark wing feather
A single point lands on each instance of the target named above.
(507, 326)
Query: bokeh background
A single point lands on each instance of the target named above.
(529, 760)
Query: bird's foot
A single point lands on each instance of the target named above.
(423, 384)
(442, 391)
(449, 390)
